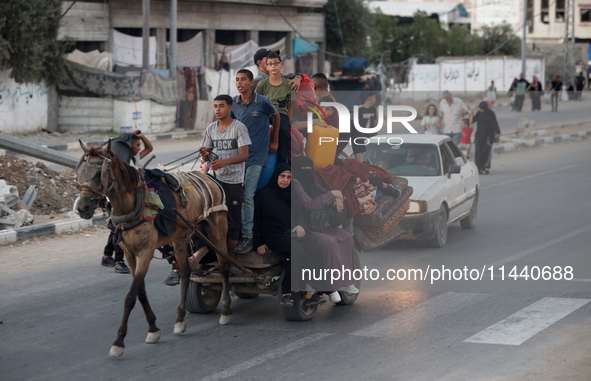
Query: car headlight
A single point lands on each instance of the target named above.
(417, 207)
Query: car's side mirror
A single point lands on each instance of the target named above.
(453, 169)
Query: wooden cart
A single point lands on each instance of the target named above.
(205, 292)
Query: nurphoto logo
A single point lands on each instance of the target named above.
(344, 126)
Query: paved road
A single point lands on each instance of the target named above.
(61, 309)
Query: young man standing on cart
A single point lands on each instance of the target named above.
(226, 144)
(254, 111)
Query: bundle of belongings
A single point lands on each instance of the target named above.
(375, 199)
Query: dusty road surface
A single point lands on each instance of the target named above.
(61, 309)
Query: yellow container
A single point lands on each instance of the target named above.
(321, 145)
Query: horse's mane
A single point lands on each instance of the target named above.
(129, 175)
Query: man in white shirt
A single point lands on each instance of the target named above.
(452, 111)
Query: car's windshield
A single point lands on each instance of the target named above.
(408, 159)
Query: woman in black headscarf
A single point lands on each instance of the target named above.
(273, 225)
(485, 135)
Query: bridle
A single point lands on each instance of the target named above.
(88, 170)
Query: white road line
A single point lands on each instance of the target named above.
(439, 307)
(541, 246)
(579, 280)
(529, 176)
(526, 323)
(278, 352)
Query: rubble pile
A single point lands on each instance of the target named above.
(34, 188)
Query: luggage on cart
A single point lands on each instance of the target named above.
(321, 145)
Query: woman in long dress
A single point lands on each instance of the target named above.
(485, 135)
(337, 247)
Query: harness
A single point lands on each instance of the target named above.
(87, 170)
(199, 181)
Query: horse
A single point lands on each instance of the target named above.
(102, 174)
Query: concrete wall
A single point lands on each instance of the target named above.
(163, 118)
(554, 55)
(80, 114)
(470, 75)
(23, 107)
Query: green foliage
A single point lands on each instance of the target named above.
(28, 40)
(356, 24)
(425, 38)
(385, 40)
(460, 42)
(503, 36)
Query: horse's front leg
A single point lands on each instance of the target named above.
(182, 259)
(137, 290)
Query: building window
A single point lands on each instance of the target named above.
(585, 15)
(560, 10)
(544, 12)
(530, 16)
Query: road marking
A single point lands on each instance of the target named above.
(580, 280)
(439, 307)
(272, 354)
(541, 246)
(526, 323)
(529, 176)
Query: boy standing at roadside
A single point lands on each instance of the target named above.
(278, 90)
(254, 111)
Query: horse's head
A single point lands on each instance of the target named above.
(94, 174)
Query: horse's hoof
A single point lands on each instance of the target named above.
(180, 328)
(116, 351)
(153, 337)
(225, 319)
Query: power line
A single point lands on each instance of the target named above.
(301, 36)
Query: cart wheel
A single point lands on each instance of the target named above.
(246, 295)
(202, 300)
(299, 311)
(347, 298)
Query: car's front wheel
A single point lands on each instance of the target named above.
(440, 237)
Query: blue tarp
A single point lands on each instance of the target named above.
(303, 47)
(355, 62)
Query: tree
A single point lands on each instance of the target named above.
(425, 39)
(28, 40)
(500, 40)
(460, 42)
(355, 22)
(385, 40)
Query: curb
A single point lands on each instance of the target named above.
(13, 235)
(539, 141)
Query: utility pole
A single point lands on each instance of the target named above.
(146, 35)
(569, 43)
(523, 46)
(173, 38)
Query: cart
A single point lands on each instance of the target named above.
(205, 291)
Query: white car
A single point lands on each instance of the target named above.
(445, 184)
